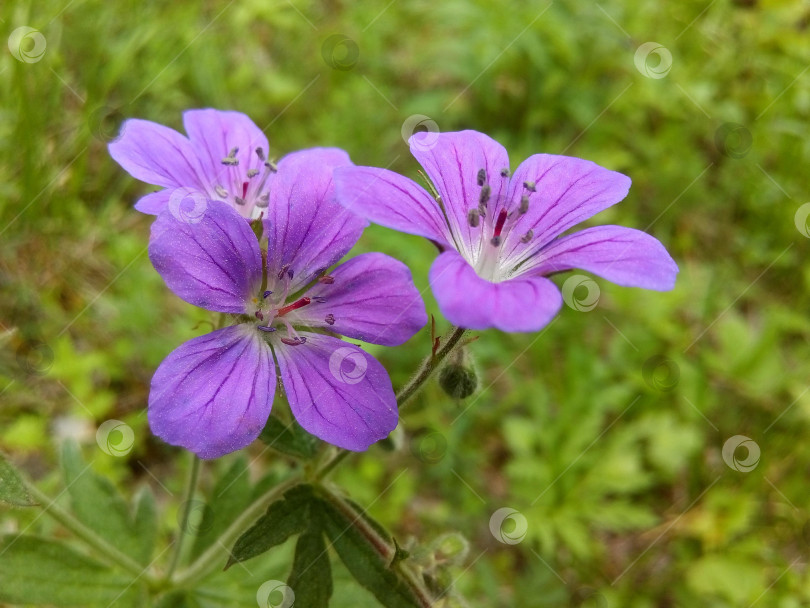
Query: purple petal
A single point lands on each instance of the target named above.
(373, 299)
(524, 303)
(307, 230)
(452, 162)
(155, 202)
(214, 133)
(206, 253)
(213, 394)
(389, 199)
(156, 154)
(567, 191)
(622, 255)
(337, 391)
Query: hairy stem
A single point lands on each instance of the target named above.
(191, 487)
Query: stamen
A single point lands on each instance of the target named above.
(267, 294)
(263, 201)
(259, 315)
(239, 200)
(252, 173)
(326, 279)
(330, 319)
(530, 186)
(527, 237)
(260, 153)
(294, 306)
(297, 341)
(524, 204)
(231, 159)
(504, 172)
(221, 191)
(482, 177)
(474, 218)
(319, 299)
(266, 328)
(283, 271)
(483, 199)
(271, 165)
(501, 221)
(496, 241)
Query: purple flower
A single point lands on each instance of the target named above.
(213, 394)
(224, 158)
(499, 232)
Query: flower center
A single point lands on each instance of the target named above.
(246, 189)
(496, 220)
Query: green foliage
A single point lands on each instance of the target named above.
(289, 439)
(12, 488)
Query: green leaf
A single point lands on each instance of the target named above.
(12, 487)
(230, 496)
(36, 570)
(289, 439)
(177, 599)
(287, 516)
(98, 505)
(364, 562)
(311, 576)
(145, 524)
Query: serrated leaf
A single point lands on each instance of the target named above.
(230, 496)
(97, 504)
(364, 562)
(287, 516)
(12, 489)
(289, 439)
(36, 570)
(311, 576)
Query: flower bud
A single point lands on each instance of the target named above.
(458, 378)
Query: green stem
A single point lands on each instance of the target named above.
(212, 557)
(426, 369)
(92, 539)
(191, 487)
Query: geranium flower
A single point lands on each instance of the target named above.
(224, 158)
(499, 232)
(213, 394)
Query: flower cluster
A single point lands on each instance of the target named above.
(499, 234)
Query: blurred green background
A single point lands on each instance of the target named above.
(605, 430)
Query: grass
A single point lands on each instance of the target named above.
(617, 470)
